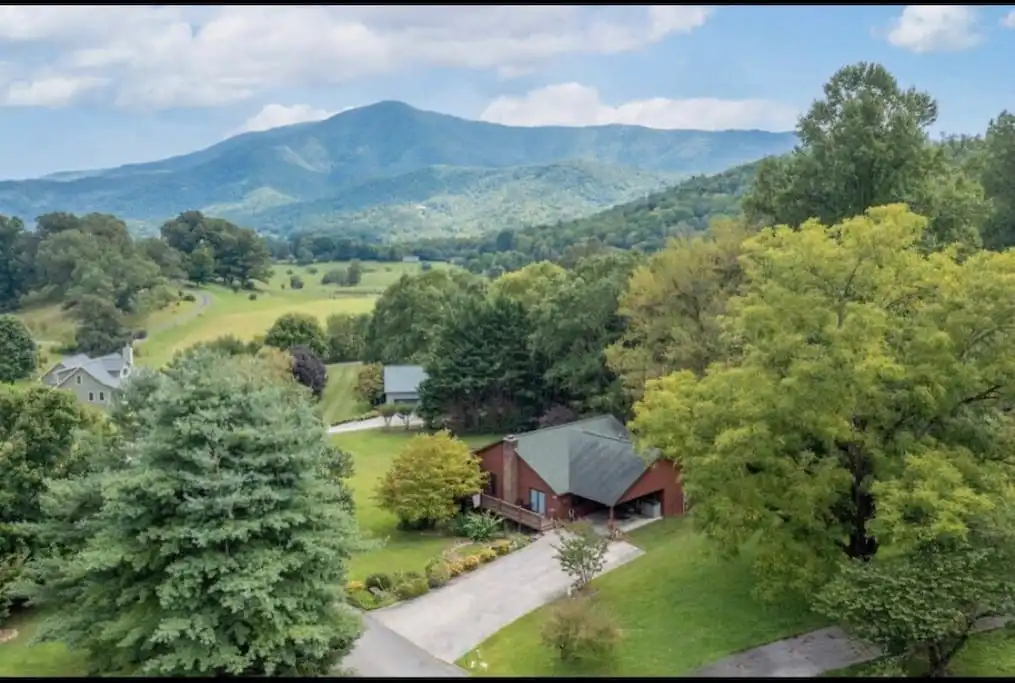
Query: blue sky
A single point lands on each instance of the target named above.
(91, 87)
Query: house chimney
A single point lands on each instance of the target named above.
(128, 354)
(509, 477)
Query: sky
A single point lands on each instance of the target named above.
(84, 87)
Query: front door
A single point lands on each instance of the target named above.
(537, 501)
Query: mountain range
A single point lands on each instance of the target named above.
(390, 170)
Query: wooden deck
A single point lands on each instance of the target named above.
(515, 513)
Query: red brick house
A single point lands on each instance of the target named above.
(572, 470)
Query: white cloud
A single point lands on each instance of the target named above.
(573, 104)
(55, 91)
(275, 115)
(935, 28)
(1009, 20)
(186, 56)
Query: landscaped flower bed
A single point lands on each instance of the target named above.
(381, 590)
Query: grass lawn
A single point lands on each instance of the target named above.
(680, 608)
(339, 401)
(372, 451)
(19, 659)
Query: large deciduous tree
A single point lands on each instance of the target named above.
(673, 304)
(998, 178)
(408, 317)
(219, 546)
(297, 329)
(17, 350)
(948, 521)
(428, 478)
(346, 336)
(865, 144)
(857, 350)
(572, 328)
(101, 327)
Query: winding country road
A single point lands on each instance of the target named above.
(202, 303)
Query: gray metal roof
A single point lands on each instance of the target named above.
(105, 370)
(403, 379)
(591, 458)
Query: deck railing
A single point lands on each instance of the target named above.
(515, 513)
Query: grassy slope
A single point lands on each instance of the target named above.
(339, 401)
(679, 607)
(233, 312)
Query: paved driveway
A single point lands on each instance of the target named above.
(372, 423)
(382, 653)
(454, 619)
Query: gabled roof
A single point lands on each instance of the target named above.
(105, 370)
(592, 458)
(403, 379)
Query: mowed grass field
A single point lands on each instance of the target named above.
(237, 314)
(339, 401)
(186, 323)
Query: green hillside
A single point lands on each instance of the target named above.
(447, 200)
(643, 224)
(335, 173)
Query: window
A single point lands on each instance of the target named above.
(491, 484)
(537, 501)
(102, 396)
(78, 379)
(91, 395)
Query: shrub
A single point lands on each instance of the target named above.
(518, 541)
(140, 334)
(295, 282)
(189, 297)
(501, 547)
(289, 271)
(486, 555)
(437, 574)
(412, 588)
(455, 568)
(362, 599)
(579, 631)
(478, 526)
(469, 563)
(312, 270)
(252, 296)
(354, 586)
(379, 581)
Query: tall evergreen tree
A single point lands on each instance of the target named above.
(217, 544)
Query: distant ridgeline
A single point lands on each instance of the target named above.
(389, 173)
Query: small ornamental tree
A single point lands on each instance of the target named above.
(220, 549)
(370, 383)
(428, 479)
(309, 370)
(582, 553)
(17, 350)
(387, 411)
